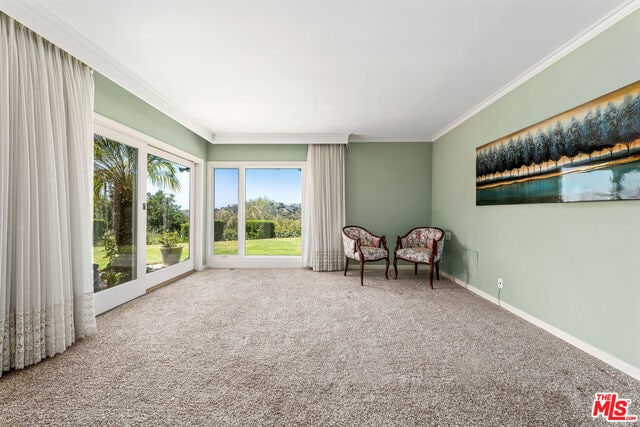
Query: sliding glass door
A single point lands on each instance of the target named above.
(169, 200)
(116, 190)
(114, 213)
(142, 217)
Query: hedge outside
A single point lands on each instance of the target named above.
(260, 229)
(99, 227)
(218, 229)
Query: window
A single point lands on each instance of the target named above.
(114, 212)
(257, 209)
(273, 204)
(168, 212)
(225, 218)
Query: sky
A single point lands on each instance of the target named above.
(182, 196)
(280, 185)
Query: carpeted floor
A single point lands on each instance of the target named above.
(283, 347)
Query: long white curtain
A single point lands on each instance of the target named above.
(323, 208)
(46, 120)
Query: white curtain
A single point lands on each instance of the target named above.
(46, 143)
(323, 208)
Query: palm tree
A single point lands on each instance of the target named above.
(114, 177)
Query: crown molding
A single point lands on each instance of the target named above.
(380, 138)
(306, 138)
(600, 26)
(281, 138)
(36, 17)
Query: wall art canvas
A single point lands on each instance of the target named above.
(591, 152)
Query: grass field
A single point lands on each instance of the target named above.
(153, 255)
(282, 246)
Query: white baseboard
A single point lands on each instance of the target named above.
(254, 262)
(578, 343)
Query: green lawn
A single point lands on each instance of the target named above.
(152, 252)
(283, 246)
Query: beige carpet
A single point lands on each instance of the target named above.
(293, 347)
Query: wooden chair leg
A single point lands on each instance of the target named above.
(386, 270)
(395, 266)
(415, 268)
(431, 276)
(438, 270)
(346, 265)
(361, 272)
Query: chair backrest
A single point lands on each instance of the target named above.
(366, 237)
(424, 237)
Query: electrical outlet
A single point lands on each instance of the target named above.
(500, 283)
(447, 235)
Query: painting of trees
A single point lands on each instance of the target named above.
(600, 133)
(609, 127)
(571, 138)
(541, 149)
(556, 142)
(629, 119)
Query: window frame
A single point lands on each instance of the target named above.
(241, 260)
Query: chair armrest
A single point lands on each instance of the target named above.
(349, 244)
(358, 249)
(398, 243)
(434, 249)
(434, 246)
(383, 242)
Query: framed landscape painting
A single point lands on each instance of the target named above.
(591, 152)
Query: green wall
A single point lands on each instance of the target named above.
(116, 103)
(388, 186)
(572, 265)
(257, 152)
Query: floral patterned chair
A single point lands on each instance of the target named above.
(363, 246)
(422, 245)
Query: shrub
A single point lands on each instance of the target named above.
(184, 232)
(168, 239)
(288, 228)
(229, 234)
(111, 249)
(152, 237)
(260, 229)
(218, 230)
(99, 226)
(112, 278)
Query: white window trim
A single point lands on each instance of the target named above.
(241, 260)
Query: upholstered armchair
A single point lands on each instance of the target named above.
(363, 246)
(422, 245)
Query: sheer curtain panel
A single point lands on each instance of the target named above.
(323, 208)
(46, 142)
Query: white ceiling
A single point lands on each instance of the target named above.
(378, 69)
